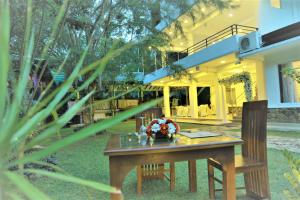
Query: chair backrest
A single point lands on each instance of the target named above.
(153, 113)
(254, 130)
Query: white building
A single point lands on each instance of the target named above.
(258, 39)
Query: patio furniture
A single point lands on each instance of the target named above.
(153, 170)
(125, 154)
(202, 109)
(253, 161)
(183, 111)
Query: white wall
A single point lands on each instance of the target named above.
(272, 78)
(272, 84)
(271, 18)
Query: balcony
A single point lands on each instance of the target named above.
(220, 44)
(232, 30)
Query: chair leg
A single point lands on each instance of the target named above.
(211, 183)
(139, 174)
(224, 184)
(172, 176)
(257, 184)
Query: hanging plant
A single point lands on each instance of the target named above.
(243, 77)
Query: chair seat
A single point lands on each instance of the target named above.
(242, 164)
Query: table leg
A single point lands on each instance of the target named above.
(192, 175)
(118, 169)
(229, 192)
(172, 176)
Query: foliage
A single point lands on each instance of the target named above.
(292, 73)
(101, 23)
(243, 77)
(21, 132)
(293, 176)
(82, 38)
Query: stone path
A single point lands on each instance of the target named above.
(275, 142)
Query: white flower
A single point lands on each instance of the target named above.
(155, 128)
(161, 121)
(172, 128)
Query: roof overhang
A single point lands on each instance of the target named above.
(278, 49)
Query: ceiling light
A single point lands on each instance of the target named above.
(230, 15)
(223, 61)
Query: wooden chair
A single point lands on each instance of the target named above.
(253, 161)
(153, 171)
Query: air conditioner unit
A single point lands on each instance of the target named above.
(250, 42)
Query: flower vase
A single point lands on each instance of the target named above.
(160, 136)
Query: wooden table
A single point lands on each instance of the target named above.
(126, 152)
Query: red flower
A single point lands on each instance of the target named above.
(164, 129)
(154, 122)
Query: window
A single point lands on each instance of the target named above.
(289, 88)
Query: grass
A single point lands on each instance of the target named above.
(290, 134)
(86, 160)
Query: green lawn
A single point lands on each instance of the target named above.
(86, 160)
(290, 134)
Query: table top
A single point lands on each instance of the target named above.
(124, 144)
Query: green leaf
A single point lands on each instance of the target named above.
(15, 196)
(88, 131)
(40, 116)
(52, 166)
(26, 187)
(109, 99)
(55, 28)
(52, 81)
(4, 54)
(79, 181)
(60, 122)
(19, 92)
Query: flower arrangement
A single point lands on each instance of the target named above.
(162, 128)
(243, 77)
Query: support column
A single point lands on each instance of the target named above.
(167, 101)
(224, 102)
(193, 100)
(221, 107)
(260, 80)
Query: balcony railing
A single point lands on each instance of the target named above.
(234, 29)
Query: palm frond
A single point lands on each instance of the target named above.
(25, 186)
(72, 179)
